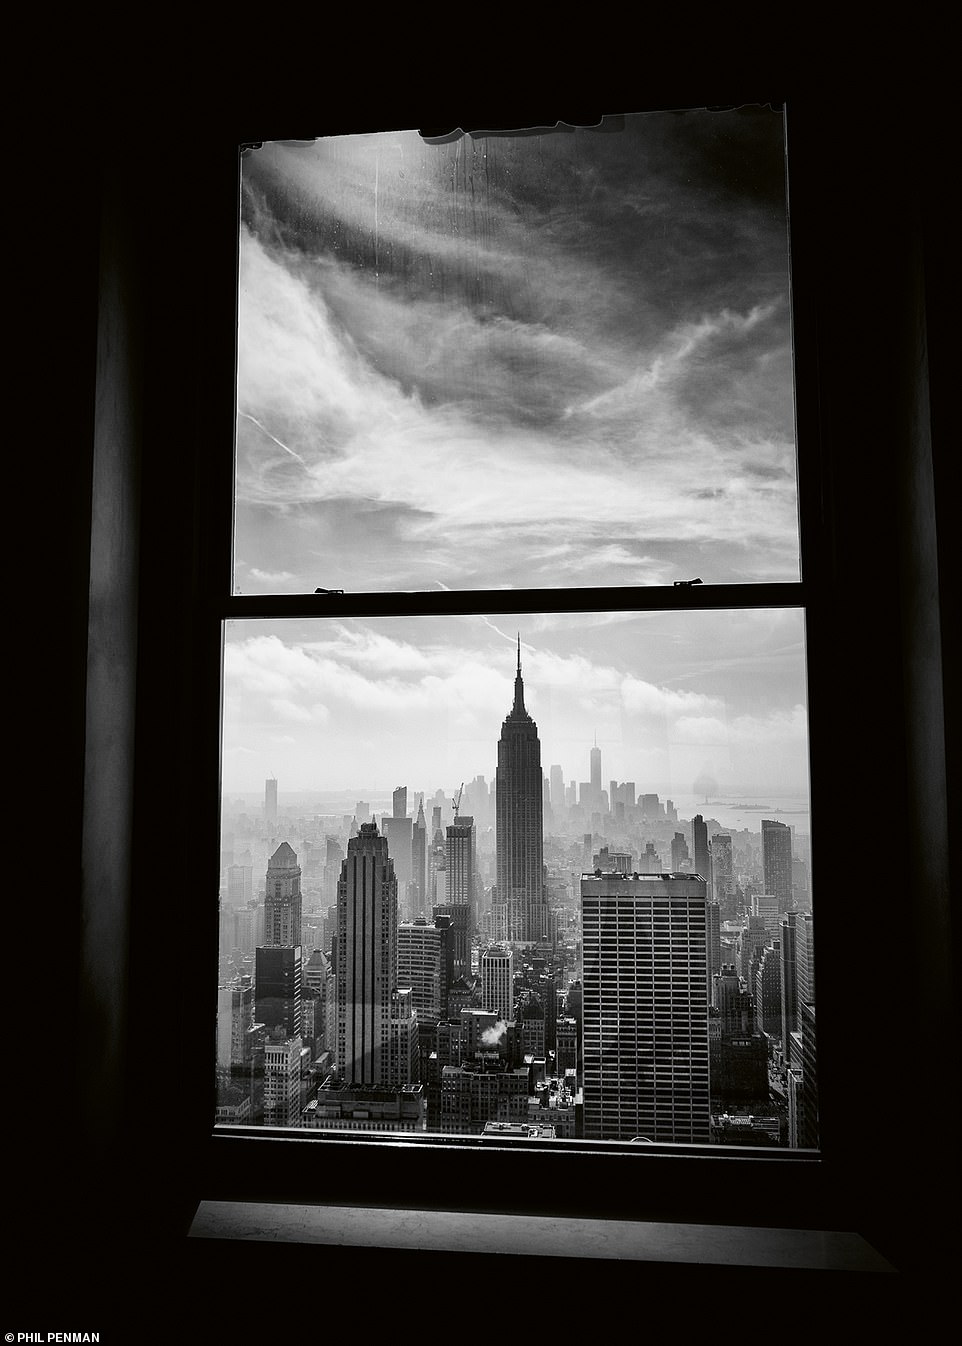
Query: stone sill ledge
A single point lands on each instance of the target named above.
(524, 1235)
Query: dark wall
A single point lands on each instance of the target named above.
(128, 412)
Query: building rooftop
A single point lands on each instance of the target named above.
(534, 1130)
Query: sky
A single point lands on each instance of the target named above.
(537, 360)
(672, 699)
(542, 361)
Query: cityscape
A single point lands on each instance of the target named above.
(531, 956)
(546, 876)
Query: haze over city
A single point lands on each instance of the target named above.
(673, 699)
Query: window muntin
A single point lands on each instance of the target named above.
(527, 361)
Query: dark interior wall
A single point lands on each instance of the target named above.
(128, 422)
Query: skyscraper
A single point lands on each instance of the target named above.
(700, 851)
(270, 802)
(459, 902)
(777, 861)
(282, 1082)
(419, 864)
(788, 980)
(557, 791)
(595, 773)
(277, 990)
(282, 900)
(497, 982)
(679, 852)
(235, 1007)
(645, 1008)
(399, 833)
(519, 817)
(460, 860)
(722, 873)
(366, 959)
(805, 958)
(421, 966)
(767, 989)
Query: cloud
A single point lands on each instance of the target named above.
(272, 577)
(643, 698)
(423, 699)
(508, 369)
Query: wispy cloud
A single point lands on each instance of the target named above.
(506, 351)
(408, 698)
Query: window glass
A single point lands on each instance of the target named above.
(535, 360)
(546, 873)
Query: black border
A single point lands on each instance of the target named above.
(118, 1159)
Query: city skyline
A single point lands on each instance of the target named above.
(675, 700)
(453, 1035)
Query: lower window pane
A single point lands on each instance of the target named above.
(540, 876)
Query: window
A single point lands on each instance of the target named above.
(178, 700)
(483, 381)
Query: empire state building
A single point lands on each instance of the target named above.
(518, 834)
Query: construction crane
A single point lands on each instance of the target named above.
(457, 802)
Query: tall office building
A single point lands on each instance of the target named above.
(594, 771)
(460, 861)
(282, 900)
(788, 984)
(235, 1008)
(270, 802)
(679, 852)
(713, 926)
(403, 1039)
(277, 990)
(399, 834)
(519, 862)
(240, 883)
(421, 966)
(805, 957)
(557, 778)
(751, 941)
(460, 866)
(497, 982)
(700, 851)
(399, 802)
(777, 861)
(282, 1082)
(649, 862)
(319, 984)
(366, 959)
(722, 873)
(767, 988)
(419, 865)
(807, 1124)
(766, 906)
(645, 1008)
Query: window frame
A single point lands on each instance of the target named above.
(794, 1168)
(230, 1166)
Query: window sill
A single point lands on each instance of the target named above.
(525, 1235)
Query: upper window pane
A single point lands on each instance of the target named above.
(534, 360)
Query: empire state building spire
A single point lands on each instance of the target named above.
(518, 711)
(519, 794)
